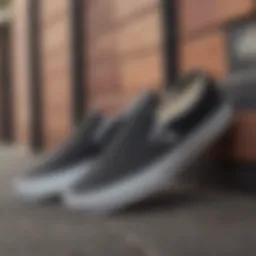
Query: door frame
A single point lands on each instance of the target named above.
(170, 12)
(6, 85)
(78, 62)
(35, 69)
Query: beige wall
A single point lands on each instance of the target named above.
(20, 71)
(56, 83)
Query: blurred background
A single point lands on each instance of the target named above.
(59, 59)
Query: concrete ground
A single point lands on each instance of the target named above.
(198, 222)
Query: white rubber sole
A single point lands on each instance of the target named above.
(154, 177)
(37, 189)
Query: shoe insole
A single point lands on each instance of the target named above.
(178, 102)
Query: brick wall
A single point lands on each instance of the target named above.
(56, 80)
(20, 71)
(202, 32)
(124, 53)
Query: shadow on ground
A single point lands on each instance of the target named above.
(194, 220)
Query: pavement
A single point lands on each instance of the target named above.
(197, 221)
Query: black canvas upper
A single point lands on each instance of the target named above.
(82, 145)
(133, 149)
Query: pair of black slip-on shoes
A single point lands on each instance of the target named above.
(110, 164)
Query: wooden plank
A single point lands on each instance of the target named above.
(208, 53)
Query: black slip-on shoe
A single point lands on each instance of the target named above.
(70, 162)
(158, 142)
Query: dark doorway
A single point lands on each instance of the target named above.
(36, 139)
(6, 102)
